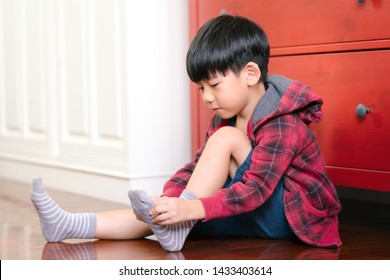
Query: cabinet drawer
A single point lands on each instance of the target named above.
(308, 22)
(345, 80)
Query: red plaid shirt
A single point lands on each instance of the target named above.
(284, 149)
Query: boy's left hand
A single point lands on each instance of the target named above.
(173, 210)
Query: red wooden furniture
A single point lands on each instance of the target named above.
(342, 50)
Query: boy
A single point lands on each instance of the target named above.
(260, 172)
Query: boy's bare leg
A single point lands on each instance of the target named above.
(120, 224)
(224, 152)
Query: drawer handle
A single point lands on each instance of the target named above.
(223, 12)
(361, 1)
(362, 110)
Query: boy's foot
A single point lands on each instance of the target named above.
(171, 237)
(57, 224)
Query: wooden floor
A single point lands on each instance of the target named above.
(364, 228)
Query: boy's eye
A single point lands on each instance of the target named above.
(201, 89)
(214, 85)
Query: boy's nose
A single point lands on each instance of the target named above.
(208, 97)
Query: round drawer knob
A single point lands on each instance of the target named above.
(223, 12)
(362, 110)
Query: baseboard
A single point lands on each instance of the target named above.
(103, 185)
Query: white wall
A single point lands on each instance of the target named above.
(94, 95)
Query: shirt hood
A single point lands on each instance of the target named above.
(284, 96)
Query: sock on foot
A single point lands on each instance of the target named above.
(56, 223)
(171, 237)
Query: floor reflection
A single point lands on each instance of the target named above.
(142, 249)
(145, 249)
(282, 251)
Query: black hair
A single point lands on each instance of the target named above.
(227, 43)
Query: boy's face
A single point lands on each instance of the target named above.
(227, 95)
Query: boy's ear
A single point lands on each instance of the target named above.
(253, 73)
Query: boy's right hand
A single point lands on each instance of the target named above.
(156, 199)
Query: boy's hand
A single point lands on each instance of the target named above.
(172, 210)
(155, 198)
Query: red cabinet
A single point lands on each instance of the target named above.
(342, 50)
(356, 149)
(303, 22)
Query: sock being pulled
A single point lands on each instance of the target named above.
(56, 223)
(171, 237)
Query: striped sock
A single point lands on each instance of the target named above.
(57, 224)
(171, 237)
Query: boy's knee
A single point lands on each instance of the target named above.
(229, 134)
(226, 131)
